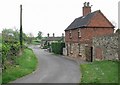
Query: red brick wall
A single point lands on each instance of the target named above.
(99, 20)
(87, 34)
(74, 34)
(67, 39)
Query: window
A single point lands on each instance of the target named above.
(79, 33)
(79, 47)
(79, 50)
(70, 34)
(71, 48)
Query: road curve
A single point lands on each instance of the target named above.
(52, 69)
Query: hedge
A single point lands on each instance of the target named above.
(9, 50)
(57, 47)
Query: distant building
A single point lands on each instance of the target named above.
(79, 34)
(48, 40)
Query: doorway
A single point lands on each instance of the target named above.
(89, 53)
(91, 56)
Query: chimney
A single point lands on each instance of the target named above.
(48, 34)
(62, 34)
(86, 8)
(53, 35)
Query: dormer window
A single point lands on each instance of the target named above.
(79, 33)
(70, 34)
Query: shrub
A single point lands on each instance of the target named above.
(45, 47)
(57, 47)
(5, 51)
(9, 50)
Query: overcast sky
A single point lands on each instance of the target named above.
(50, 16)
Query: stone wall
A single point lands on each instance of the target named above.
(74, 51)
(105, 47)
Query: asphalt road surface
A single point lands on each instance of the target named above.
(52, 69)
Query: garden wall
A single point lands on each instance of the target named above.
(105, 47)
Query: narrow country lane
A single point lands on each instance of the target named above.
(52, 69)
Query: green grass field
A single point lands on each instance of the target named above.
(100, 72)
(35, 42)
(27, 63)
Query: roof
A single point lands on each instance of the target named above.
(81, 21)
(52, 39)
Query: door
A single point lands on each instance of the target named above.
(89, 53)
(98, 52)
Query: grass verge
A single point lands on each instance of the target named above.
(35, 42)
(26, 63)
(100, 72)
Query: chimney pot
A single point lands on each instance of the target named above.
(48, 34)
(53, 35)
(62, 34)
(84, 4)
(88, 4)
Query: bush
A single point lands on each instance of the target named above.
(5, 51)
(9, 50)
(57, 47)
(26, 63)
(45, 47)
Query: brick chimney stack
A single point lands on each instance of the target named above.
(86, 8)
(53, 34)
(62, 34)
(48, 34)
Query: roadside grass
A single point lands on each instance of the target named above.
(35, 42)
(26, 63)
(100, 72)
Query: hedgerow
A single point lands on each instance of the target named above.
(9, 50)
(57, 47)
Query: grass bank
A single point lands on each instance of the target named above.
(26, 63)
(100, 72)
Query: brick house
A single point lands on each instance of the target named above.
(50, 39)
(79, 34)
